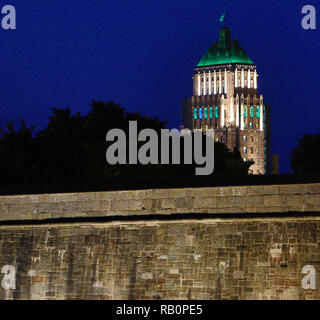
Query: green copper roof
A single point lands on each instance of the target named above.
(225, 51)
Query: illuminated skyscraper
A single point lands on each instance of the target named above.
(225, 98)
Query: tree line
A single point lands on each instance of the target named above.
(72, 148)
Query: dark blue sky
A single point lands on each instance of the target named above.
(142, 54)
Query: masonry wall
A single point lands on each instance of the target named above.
(218, 200)
(224, 256)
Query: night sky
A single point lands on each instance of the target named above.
(142, 54)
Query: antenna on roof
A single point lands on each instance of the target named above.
(222, 19)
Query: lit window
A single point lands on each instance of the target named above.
(195, 113)
(216, 112)
(211, 112)
(257, 125)
(245, 149)
(251, 150)
(251, 139)
(258, 112)
(200, 113)
(245, 138)
(258, 150)
(251, 125)
(251, 112)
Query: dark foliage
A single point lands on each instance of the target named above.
(72, 148)
(305, 157)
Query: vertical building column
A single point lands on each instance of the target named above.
(225, 82)
(237, 115)
(204, 83)
(199, 84)
(210, 84)
(261, 118)
(215, 83)
(220, 82)
(231, 109)
(236, 78)
(241, 118)
(255, 79)
(249, 79)
(242, 78)
(222, 115)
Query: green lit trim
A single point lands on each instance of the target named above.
(245, 111)
(258, 112)
(251, 112)
(216, 112)
(205, 113)
(232, 52)
(211, 112)
(195, 114)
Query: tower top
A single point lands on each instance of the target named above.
(225, 51)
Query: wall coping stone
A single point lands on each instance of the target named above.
(211, 200)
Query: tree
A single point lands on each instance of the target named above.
(305, 157)
(17, 152)
(72, 148)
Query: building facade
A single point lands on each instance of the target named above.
(226, 99)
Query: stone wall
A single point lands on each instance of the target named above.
(229, 257)
(244, 199)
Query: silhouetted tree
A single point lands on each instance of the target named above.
(72, 148)
(305, 157)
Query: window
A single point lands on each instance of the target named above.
(245, 138)
(251, 150)
(251, 139)
(251, 112)
(245, 149)
(200, 113)
(216, 112)
(257, 125)
(258, 112)
(205, 113)
(195, 113)
(251, 125)
(211, 113)
(245, 111)
(258, 150)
